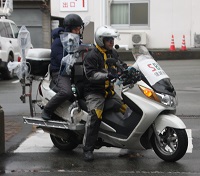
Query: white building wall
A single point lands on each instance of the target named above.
(167, 18)
(94, 11)
(177, 17)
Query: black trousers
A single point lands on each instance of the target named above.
(64, 93)
(95, 105)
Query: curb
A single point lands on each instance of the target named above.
(15, 132)
(2, 131)
(164, 55)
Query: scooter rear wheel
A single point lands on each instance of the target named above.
(172, 144)
(63, 144)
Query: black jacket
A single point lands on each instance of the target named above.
(96, 72)
(56, 50)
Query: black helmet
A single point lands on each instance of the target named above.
(72, 21)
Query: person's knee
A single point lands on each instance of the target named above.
(66, 95)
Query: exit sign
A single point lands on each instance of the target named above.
(73, 5)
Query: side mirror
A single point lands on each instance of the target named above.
(116, 46)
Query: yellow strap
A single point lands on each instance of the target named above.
(99, 113)
(123, 108)
(103, 51)
(107, 82)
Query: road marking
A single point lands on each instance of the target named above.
(190, 145)
(36, 142)
(15, 82)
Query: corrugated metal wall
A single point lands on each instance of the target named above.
(32, 19)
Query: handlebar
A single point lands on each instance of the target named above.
(129, 76)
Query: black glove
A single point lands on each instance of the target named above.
(131, 76)
(112, 76)
(134, 73)
(131, 70)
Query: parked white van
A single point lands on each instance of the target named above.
(9, 47)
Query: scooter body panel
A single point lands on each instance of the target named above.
(150, 113)
(47, 93)
(168, 120)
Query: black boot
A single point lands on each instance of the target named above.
(88, 156)
(45, 115)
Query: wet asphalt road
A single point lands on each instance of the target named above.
(62, 163)
(185, 78)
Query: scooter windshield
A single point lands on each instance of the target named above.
(154, 75)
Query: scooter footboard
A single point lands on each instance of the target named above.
(168, 120)
(53, 123)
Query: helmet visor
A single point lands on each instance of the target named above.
(108, 39)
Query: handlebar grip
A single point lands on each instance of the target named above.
(113, 80)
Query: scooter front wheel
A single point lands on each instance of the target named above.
(171, 145)
(63, 144)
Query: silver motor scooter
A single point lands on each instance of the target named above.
(149, 121)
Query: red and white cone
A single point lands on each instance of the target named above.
(172, 46)
(183, 46)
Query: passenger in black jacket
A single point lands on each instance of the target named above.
(72, 23)
(98, 86)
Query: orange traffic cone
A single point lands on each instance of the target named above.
(172, 46)
(183, 46)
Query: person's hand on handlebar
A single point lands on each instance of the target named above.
(112, 76)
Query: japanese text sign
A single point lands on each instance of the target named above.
(152, 70)
(73, 5)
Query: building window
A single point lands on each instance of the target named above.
(129, 13)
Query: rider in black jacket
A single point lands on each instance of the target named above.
(98, 86)
(72, 23)
(96, 82)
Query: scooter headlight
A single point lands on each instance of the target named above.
(167, 100)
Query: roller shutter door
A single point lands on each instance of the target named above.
(32, 19)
